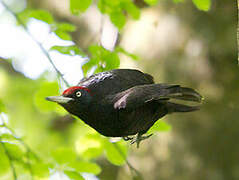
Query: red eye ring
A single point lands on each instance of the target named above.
(73, 89)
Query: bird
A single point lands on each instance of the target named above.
(124, 102)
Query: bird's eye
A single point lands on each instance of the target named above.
(78, 94)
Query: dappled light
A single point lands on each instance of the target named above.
(48, 45)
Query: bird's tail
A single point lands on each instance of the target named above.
(180, 93)
(173, 107)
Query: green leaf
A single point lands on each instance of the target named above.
(66, 27)
(133, 10)
(90, 146)
(2, 107)
(77, 6)
(40, 169)
(118, 19)
(151, 2)
(24, 16)
(117, 11)
(104, 56)
(107, 6)
(4, 162)
(89, 65)
(64, 155)
(42, 15)
(101, 6)
(15, 150)
(87, 167)
(69, 50)
(101, 58)
(91, 153)
(73, 175)
(63, 35)
(95, 50)
(203, 5)
(6, 134)
(62, 30)
(159, 126)
(116, 153)
(112, 60)
(122, 50)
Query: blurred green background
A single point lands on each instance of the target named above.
(192, 43)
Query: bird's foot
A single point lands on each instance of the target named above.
(127, 138)
(139, 138)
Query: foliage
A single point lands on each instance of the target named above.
(202, 4)
(25, 105)
(69, 50)
(2, 107)
(62, 30)
(159, 126)
(119, 9)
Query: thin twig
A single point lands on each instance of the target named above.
(37, 42)
(14, 174)
(67, 84)
(132, 169)
(29, 151)
(18, 138)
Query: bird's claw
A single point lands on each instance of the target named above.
(127, 138)
(139, 138)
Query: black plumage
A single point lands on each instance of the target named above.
(124, 102)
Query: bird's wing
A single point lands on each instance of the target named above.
(131, 77)
(115, 81)
(139, 95)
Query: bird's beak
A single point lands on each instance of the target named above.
(59, 99)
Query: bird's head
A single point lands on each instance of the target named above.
(73, 99)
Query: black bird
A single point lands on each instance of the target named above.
(124, 102)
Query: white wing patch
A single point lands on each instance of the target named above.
(121, 103)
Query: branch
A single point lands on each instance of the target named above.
(132, 169)
(61, 75)
(37, 42)
(14, 174)
(29, 151)
(18, 138)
